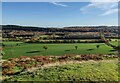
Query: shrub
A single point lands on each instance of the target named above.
(76, 47)
(98, 46)
(45, 47)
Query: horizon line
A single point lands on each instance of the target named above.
(57, 26)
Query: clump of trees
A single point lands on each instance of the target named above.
(66, 41)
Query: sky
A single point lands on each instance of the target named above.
(60, 14)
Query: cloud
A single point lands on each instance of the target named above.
(104, 0)
(110, 12)
(107, 6)
(59, 4)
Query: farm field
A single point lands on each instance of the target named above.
(25, 49)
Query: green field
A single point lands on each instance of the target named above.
(87, 71)
(12, 50)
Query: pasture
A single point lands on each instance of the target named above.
(106, 71)
(25, 49)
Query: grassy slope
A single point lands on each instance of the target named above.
(88, 71)
(53, 49)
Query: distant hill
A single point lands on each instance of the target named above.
(64, 29)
